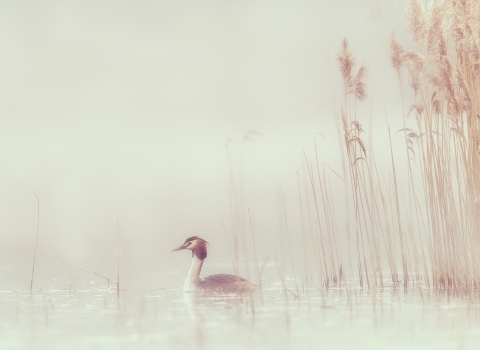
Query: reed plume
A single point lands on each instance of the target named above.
(415, 64)
(397, 53)
(347, 61)
(415, 15)
(360, 86)
(435, 26)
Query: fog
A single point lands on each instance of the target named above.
(125, 111)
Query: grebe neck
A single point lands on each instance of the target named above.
(193, 277)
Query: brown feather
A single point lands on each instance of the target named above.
(201, 249)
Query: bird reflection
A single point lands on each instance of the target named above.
(214, 312)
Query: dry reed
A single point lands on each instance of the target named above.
(59, 260)
(433, 236)
(36, 242)
(427, 235)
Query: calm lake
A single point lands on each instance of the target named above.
(89, 318)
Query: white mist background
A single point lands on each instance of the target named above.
(122, 111)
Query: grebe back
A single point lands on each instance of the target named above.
(215, 283)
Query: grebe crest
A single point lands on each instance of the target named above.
(222, 283)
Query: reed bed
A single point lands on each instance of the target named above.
(430, 235)
(415, 227)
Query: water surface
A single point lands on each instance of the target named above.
(89, 318)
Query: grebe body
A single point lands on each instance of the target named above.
(222, 283)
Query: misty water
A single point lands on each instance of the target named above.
(167, 318)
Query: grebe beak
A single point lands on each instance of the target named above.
(182, 247)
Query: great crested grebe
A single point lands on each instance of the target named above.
(214, 283)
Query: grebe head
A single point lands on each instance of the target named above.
(197, 245)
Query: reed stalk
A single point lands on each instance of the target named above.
(59, 260)
(36, 242)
